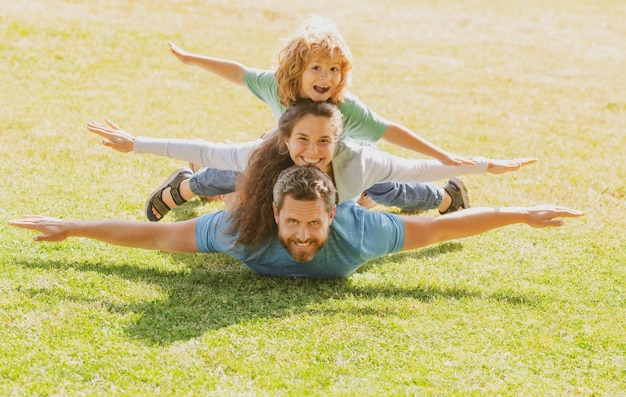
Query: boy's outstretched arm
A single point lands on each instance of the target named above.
(173, 237)
(226, 69)
(422, 231)
(403, 137)
(504, 166)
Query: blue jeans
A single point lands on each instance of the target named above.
(212, 182)
(407, 196)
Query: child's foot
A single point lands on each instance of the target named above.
(366, 201)
(166, 196)
(458, 194)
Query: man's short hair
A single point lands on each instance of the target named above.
(305, 183)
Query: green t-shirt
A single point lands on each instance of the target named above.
(359, 122)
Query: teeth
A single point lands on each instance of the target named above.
(321, 90)
(302, 244)
(310, 161)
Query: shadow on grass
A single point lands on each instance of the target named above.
(432, 251)
(202, 298)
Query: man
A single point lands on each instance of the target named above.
(315, 237)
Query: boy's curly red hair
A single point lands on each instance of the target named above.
(318, 38)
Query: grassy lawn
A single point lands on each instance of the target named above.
(514, 312)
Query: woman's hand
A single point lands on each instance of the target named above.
(113, 136)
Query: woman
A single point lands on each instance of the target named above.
(308, 134)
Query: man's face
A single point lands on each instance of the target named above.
(303, 227)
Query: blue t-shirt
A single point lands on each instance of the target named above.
(356, 236)
(359, 122)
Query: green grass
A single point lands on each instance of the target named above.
(514, 312)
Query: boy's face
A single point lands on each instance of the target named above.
(303, 227)
(320, 79)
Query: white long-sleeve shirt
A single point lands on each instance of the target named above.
(355, 168)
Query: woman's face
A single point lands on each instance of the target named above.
(312, 142)
(320, 79)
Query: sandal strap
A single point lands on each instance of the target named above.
(454, 204)
(160, 206)
(174, 186)
(155, 200)
(175, 192)
(458, 195)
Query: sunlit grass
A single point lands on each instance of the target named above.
(512, 312)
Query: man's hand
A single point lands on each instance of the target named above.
(52, 229)
(544, 215)
(502, 166)
(113, 136)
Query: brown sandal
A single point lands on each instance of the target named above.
(156, 198)
(458, 193)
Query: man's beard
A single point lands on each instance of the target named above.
(301, 255)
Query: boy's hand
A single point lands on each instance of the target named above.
(52, 229)
(179, 53)
(452, 159)
(113, 136)
(502, 166)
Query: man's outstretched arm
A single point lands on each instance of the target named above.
(421, 231)
(173, 237)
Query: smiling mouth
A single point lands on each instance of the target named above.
(302, 243)
(321, 90)
(311, 161)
